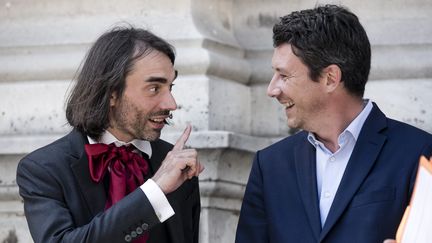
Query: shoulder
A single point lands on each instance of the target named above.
(57, 152)
(287, 144)
(283, 152)
(396, 134)
(393, 128)
(404, 129)
(411, 138)
(50, 164)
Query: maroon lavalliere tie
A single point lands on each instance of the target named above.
(126, 169)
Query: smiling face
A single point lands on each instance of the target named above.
(140, 112)
(302, 98)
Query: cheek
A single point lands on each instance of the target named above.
(286, 89)
(148, 106)
(302, 98)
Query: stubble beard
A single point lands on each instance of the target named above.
(135, 125)
(306, 119)
(294, 122)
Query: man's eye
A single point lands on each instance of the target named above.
(284, 77)
(154, 89)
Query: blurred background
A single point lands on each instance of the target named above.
(224, 48)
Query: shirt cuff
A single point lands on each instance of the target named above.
(158, 200)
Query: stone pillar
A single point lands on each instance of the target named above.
(224, 49)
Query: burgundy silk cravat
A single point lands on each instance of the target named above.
(126, 170)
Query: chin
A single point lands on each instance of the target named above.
(293, 125)
(151, 136)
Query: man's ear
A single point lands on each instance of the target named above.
(332, 77)
(113, 99)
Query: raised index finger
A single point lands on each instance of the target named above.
(179, 145)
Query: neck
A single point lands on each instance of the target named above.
(119, 135)
(337, 119)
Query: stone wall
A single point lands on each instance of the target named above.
(224, 49)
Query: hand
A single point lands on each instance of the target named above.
(389, 241)
(179, 165)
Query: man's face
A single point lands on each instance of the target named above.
(146, 102)
(302, 98)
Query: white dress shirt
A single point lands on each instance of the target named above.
(154, 194)
(330, 167)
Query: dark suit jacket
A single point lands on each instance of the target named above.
(281, 200)
(62, 204)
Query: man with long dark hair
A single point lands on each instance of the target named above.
(348, 175)
(111, 179)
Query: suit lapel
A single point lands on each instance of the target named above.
(363, 157)
(94, 193)
(158, 155)
(306, 178)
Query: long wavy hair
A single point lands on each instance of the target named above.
(106, 66)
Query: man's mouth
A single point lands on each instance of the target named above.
(288, 104)
(161, 117)
(158, 120)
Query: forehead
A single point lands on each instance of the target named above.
(155, 64)
(283, 57)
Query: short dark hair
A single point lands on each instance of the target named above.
(104, 71)
(328, 35)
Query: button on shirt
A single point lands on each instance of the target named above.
(154, 194)
(330, 167)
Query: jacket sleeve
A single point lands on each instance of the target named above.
(252, 226)
(50, 220)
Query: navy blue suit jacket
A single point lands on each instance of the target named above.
(281, 200)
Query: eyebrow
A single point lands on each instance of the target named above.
(160, 79)
(157, 80)
(278, 69)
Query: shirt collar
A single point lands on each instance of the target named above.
(356, 125)
(353, 128)
(108, 138)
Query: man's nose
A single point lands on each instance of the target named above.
(273, 89)
(168, 102)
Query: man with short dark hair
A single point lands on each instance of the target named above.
(349, 174)
(112, 179)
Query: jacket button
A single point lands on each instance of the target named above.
(128, 238)
(144, 226)
(139, 230)
(133, 234)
